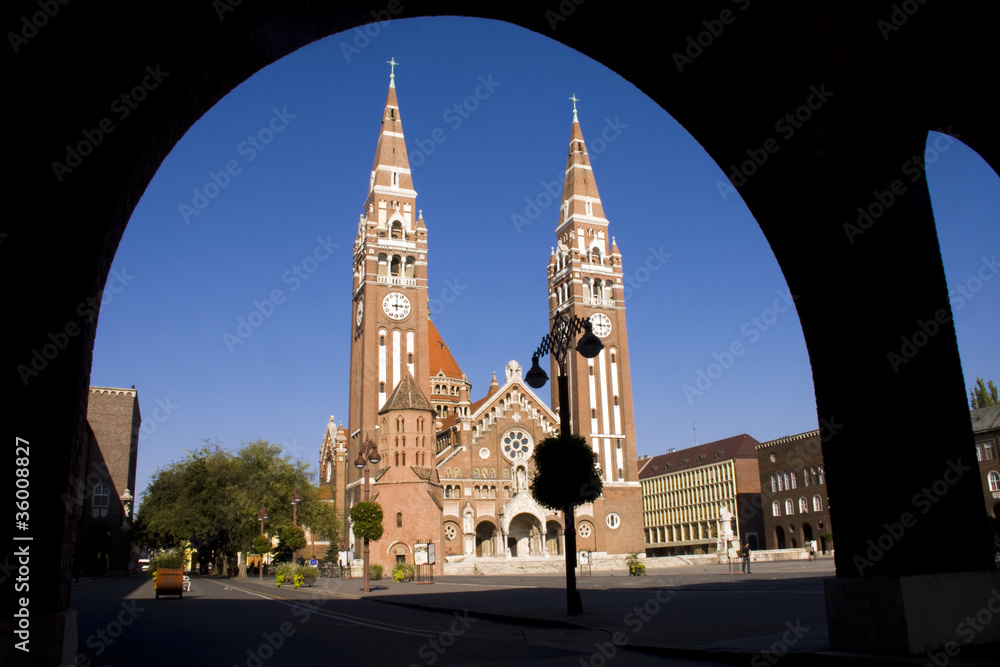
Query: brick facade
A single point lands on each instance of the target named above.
(794, 499)
(986, 429)
(102, 492)
(467, 490)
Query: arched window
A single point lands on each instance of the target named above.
(101, 495)
(805, 476)
(788, 485)
(397, 458)
(775, 508)
(395, 266)
(781, 483)
(383, 265)
(595, 255)
(477, 491)
(399, 519)
(411, 266)
(822, 476)
(803, 505)
(789, 507)
(818, 502)
(792, 474)
(397, 227)
(404, 458)
(774, 484)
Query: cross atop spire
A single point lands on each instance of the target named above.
(575, 100)
(392, 71)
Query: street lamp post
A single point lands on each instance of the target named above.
(296, 499)
(368, 454)
(260, 517)
(557, 343)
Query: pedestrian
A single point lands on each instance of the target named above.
(746, 558)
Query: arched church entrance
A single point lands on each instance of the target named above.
(779, 537)
(524, 536)
(807, 534)
(553, 539)
(486, 539)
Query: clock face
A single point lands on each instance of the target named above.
(361, 312)
(396, 305)
(602, 325)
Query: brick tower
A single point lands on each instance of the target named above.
(585, 279)
(389, 313)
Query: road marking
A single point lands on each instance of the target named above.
(354, 620)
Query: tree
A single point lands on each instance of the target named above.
(983, 395)
(212, 499)
(566, 475)
(290, 540)
(366, 517)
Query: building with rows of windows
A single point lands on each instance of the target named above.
(684, 492)
(793, 492)
(986, 429)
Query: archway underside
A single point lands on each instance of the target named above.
(875, 92)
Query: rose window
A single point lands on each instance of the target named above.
(517, 445)
(449, 531)
(584, 530)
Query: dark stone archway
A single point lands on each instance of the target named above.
(852, 231)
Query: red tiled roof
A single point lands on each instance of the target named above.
(737, 447)
(440, 356)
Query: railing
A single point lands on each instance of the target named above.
(397, 280)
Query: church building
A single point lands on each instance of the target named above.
(454, 472)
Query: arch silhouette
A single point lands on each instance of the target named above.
(876, 84)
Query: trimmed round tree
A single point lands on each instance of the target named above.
(566, 475)
(566, 472)
(366, 518)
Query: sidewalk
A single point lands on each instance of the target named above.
(695, 613)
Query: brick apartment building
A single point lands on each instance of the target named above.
(793, 492)
(986, 429)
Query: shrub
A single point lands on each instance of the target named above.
(403, 572)
(634, 565)
(284, 574)
(375, 572)
(168, 560)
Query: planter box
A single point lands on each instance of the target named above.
(169, 582)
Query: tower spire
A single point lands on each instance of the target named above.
(391, 168)
(581, 200)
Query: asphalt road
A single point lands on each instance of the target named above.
(223, 622)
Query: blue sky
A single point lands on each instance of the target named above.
(281, 169)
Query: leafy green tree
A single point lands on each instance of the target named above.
(983, 395)
(321, 517)
(212, 499)
(261, 545)
(290, 540)
(367, 519)
(566, 475)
